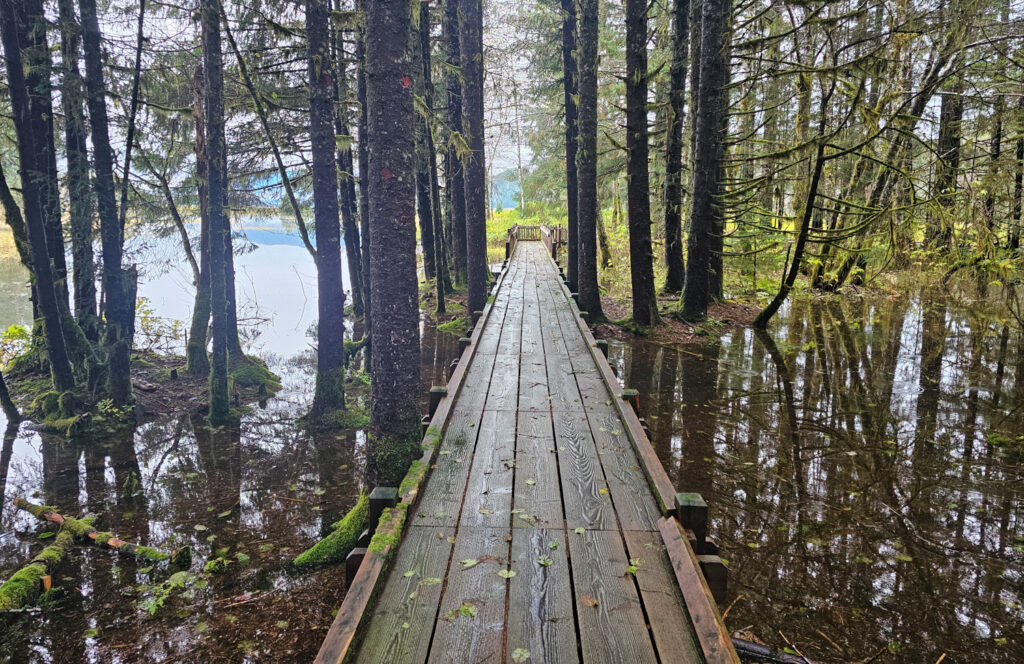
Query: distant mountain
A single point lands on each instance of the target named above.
(504, 192)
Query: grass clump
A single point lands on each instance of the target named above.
(456, 326)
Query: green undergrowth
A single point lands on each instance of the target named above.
(339, 543)
(253, 372)
(456, 326)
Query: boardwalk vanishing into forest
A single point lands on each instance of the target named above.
(545, 529)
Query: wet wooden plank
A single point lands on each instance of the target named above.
(715, 642)
(631, 494)
(471, 620)
(540, 608)
(538, 495)
(403, 618)
(441, 499)
(504, 388)
(611, 621)
(673, 634)
(585, 494)
(489, 491)
(346, 624)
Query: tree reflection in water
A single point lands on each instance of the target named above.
(863, 471)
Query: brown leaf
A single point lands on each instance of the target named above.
(589, 600)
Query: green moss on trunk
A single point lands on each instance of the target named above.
(338, 544)
(25, 585)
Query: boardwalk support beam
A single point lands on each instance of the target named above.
(693, 515)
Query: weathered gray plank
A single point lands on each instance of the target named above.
(403, 618)
(673, 633)
(538, 495)
(584, 492)
(489, 491)
(471, 621)
(540, 614)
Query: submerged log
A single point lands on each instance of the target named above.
(82, 529)
(27, 583)
(336, 546)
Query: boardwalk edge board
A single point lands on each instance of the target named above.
(345, 629)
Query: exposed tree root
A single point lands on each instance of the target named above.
(339, 543)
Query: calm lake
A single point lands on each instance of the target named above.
(862, 463)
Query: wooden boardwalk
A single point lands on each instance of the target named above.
(536, 535)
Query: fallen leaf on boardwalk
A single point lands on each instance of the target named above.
(589, 600)
(520, 655)
(469, 562)
(529, 518)
(445, 452)
(552, 545)
(531, 482)
(544, 561)
(430, 581)
(603, 491)
(484, 510)
(580, 530)
(467, 610)
(411, 572)
(506, 573)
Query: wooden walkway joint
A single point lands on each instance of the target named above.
(542, 527)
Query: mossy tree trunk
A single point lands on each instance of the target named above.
(471, 58)
(676, 268)
(570, 90)
(197, 361)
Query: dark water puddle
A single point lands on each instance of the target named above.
(863, 469)
(249, 496)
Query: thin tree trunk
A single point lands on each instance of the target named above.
(1018, 179)
(394, 410)
(7, 405)
(951, 109)
(454, 174)
(471, 57)
(79, 188)
(586, 161)
(705, 214)
(424, 207)
(347, 177)
(220, 230)
(118, 312)
(329, 395)
(570, 87)
(13, 28)
(133, 108)
(674, 149)
(443, 282)
(641, 260)
(364, 196)
(993, 169)
(197, 362)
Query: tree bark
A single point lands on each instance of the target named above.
(454, 174)
(424, 206)
(118, 312)
(197, 362)
(220, 230)
(1018, 179)
(347, 176)
(471, 57)
(571, 89)
(443, 279)
(13, 27)
(79, 188)
(674, 149)
(586, 161)
(641, 261)
(364, 195)
(133, 108)
(329, 395)
(706, 213)
(394, 410)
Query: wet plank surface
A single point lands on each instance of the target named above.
(536, 518)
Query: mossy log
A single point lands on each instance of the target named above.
(82, 529)
(338, 544)
(26, 584)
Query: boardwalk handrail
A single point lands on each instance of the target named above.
(372, 571)
(553, 238)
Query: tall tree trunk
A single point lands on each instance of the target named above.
(454, 176)
(364, 178)
(14, 27)
(220, 230)
(1018, 179)
(570, 87)
(394, 410)
(443, 281)
(197, 361)
(118, 311)
(347, 175)
(11, 411)
(133, 108)
(951, 109)
(79, 189)
(674, 149)
(638, 195)
(706, 214)
(993, 169)
(586, 161)
(424, 207)
(38, 73)
(471, 57)
(329, 395)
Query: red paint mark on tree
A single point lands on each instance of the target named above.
(385, 173)
(406, 81)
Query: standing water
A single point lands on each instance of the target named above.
(248, 498)
(862, 464)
